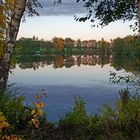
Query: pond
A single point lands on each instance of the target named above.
(65, 77)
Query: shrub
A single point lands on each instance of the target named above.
(78, 116)
(19, 121)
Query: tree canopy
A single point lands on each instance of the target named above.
(7, 8)
(107, 11)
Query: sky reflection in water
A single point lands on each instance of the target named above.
(63, 85)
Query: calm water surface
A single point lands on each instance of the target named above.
(63, 82)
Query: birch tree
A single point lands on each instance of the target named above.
(11, 13)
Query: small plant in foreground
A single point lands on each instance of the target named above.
(37, 112)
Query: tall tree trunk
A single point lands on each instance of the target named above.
(138, 5)
(10, 42)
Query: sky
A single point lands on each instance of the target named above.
(58, 21)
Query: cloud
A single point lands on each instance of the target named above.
(67, 7)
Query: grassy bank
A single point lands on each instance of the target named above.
(18, 121)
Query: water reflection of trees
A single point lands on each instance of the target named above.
(29, 62)
(130, 64)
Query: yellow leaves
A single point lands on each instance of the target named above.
(11, 137)
(40, 112)
(33, 112)
(42, 105)
(3, 122)
(34, 122)
(59, 43)
(38, 96)
(37, 105)
(1, 49)
(6, 9)
(35, 118)
(9, 4)
(2, 21)
(37, 112)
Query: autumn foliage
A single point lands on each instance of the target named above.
(59, 43)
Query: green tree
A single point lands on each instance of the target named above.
(69, 44)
